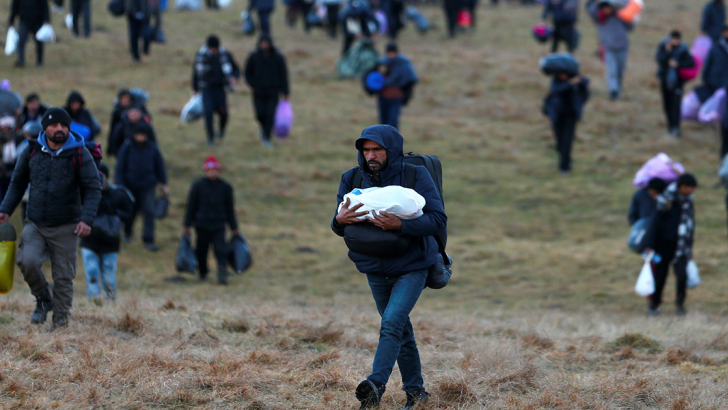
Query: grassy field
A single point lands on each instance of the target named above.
(540, 312)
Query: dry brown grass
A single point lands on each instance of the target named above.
(540, 313)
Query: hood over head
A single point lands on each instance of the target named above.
(75, 96)
(389, 138)
(265, 37)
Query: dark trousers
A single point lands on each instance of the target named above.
(79, 7)
(144, 203)
(451, 15)
(136, 27)
(215, 101)
(216, 238)
(348, 41)
(566, 33)
(332, 15)
(671, 100)
(389, 111)
(394, 18)
(472, 7)
(265, 112)
(306, 8)
(264, 17)
(660, 271)
(23, 32)
(564, 129)
(211, 4)
(724, 144)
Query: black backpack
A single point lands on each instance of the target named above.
(434, 167)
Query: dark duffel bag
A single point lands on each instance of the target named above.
(370, 240)
(117, 8)
(239, 256)
(186, 261)
(161, 207)
(438, 276)
(560, 63)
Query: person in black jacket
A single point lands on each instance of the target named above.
(62, 207)
(213, 72)
(357, 20)
(267, 75)
(32, 14)
(673, 240)
(565, 15)
(33, 110)
(76, 108)
(124, 130)
(139, 15)
(139, 168)
(100, 250)
(672, 55)
(211, 205)
(644, 201)
(564, 106)
(713, 19)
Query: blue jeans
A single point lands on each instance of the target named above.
(389, 110)
(395, 299)
(100, 268)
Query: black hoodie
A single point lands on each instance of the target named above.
(82, 116)
(32, 12)
(266, 71)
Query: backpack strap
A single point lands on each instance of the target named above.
(356, 179)
(77, 158)
(410, 175)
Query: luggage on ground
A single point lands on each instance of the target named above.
(186, 260)
(161, 207)
(117, 8)
(661, 166)
(645, 285)
(8, 236)
(239, 255)
(46, 34)
(193, 110)
(283, 119)
(690, 106)
(713, 109)
(11, 41)
(559, 63)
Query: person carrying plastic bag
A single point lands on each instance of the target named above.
(32, 16)
(672, 55)
(284, 119)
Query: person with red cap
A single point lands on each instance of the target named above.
(210, 205)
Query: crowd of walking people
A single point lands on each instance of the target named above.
(53, 164)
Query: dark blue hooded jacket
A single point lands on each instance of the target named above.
(140, 167)
(715, 71)
(713, 20)
(401, 73)
(565, 12)
(422, 252)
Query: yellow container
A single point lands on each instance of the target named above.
(7, 266)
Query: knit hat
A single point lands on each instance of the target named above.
(213, 42)
(143, 128)
(212, 162)
(56, 115)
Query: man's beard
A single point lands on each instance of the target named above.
(59, 137)
(378, 164)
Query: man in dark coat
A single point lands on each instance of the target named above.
(139, 14)
(139, 168)
(398, 279)
(565, 14)
(61, 208)
(76, 108)
(713, 20)
(31, 14)
(125, 129)
(674, 235)
(265, 9)
(213, 72)
(672, 55)
(33, 110)
(211, 205)
(564, 106)
(715, 69)
(400, 79)
(267, 75)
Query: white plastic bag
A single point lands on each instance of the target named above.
(224, 3)
(193, 109)
(46, 34)
(11, 41)
(403, 202)
(693, 274)
(69, 21)
(713, 109)
(646, 282)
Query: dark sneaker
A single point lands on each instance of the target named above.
(43, 305)
(60, 320)
(680, 311)
(413, 399)
(151, 246)
(675, 132)
(654, 311)
(369, 394)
